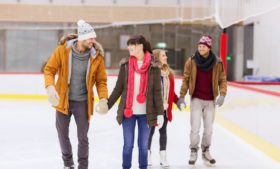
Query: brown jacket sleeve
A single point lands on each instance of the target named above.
(222, 81)
(101, 81)
(157, 99)
(186, 78)
(52, 66)
(118, 87)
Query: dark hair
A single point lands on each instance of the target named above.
(139, 39)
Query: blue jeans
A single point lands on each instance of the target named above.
(128, 135)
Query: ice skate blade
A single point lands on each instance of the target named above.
(165, 167)
(192, 166)
(208, 164)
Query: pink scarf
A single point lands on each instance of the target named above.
(143, 70)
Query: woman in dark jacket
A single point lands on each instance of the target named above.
(139, 87)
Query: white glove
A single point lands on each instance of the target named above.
(220, 101)
(52, 95)
(102, 107)
(160, 121)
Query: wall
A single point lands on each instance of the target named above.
(24, 50)
(266, 44)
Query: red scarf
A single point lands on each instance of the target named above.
(143, 70)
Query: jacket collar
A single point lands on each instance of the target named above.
(95, 50)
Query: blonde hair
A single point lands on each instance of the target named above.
(164, 67)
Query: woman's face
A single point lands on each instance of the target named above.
(163, 57)
(135, 50)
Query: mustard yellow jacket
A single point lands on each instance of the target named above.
(60, 63)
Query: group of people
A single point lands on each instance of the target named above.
(145, 84)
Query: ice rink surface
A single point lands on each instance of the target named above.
(29, 140)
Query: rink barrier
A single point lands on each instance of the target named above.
(24, 96)
(264, 91)
(21, 73)
(258, 83)
(45, 97)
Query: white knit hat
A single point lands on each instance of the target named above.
(85, 31)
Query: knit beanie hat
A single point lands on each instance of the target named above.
(85, 31)
(206, 40)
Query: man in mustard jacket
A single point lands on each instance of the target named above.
(205, 79)
(79, 65)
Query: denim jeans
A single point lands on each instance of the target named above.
(128, 135)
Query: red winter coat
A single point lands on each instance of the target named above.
(173, 98)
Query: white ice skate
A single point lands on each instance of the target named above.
(193, 156)
(208, 159)
(149, 158)
(163, 162)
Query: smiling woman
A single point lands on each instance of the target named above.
(139, 87)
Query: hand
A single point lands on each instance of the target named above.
(181, 103)
(102, 107)
(52, 95)
(220, 101)
(160, 121)
(68, 37)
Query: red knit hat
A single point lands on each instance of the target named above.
(206, 40)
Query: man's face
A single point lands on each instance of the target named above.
(203, 50)
(87, 44)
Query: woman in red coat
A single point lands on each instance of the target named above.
(169, 97)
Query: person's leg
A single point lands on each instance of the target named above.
(128, 125)
(152, 131)
(163, 142)
(196, 113)
(80, 112)
(62, 126)
(163, 134)
(143, 135)
(208, 119)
